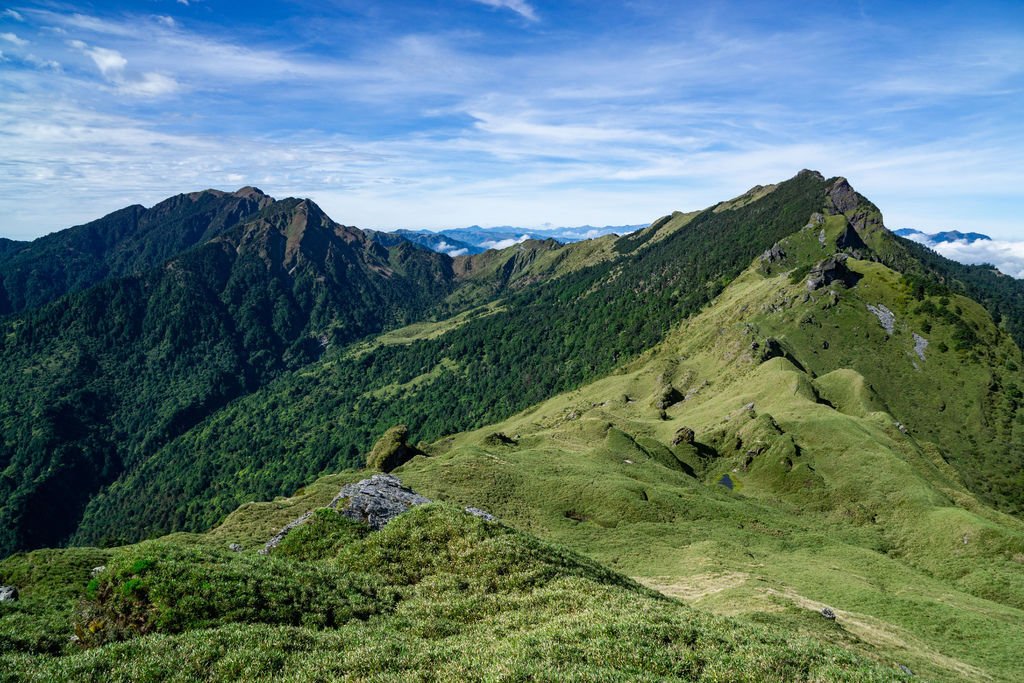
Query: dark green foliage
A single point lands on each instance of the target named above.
(1001, 295)
(322, 537)
(131, 240)
(170, 588)
(50, 583)
(550, 337)
(98, 380)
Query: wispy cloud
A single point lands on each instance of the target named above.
(613, 116)
(112, 63)
(12, 14)
(520, 7)
(505, 243)
(13, 39)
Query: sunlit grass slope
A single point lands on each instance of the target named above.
(831, 435)
(436, 595)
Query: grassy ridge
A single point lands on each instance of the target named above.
(437, 594)
(832, 504)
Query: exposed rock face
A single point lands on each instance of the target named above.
(844, 198)
(828, 613)
(886, 317)
(850, 239)
(683, 435)
(832, 269)
(8, 594)
(920, 344)
(377, 500)
(815, 220)
(235, 547)
(773, 255)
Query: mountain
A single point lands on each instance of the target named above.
(100, 379)
(940, 237)
(481, 366)
(476, 240)
(126, 242)
(775, 410)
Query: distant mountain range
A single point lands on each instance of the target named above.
(476, 239)
(932, 239)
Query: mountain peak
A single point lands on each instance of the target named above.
(808, 172)
(250, 191)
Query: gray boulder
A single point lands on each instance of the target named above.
(482, 514)
(8, 594)
(832, 269)
(377, 500)
(886, 318)
(828, 613)
(773, 255)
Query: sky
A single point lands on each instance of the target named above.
(406, 114)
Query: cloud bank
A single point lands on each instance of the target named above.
(1007, 256)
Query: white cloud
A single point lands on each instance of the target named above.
(183, 2)
(112, 64)
(1007, 256)
(520, 7)
(451, 250)
(167, 21)
(13, 39)
(40, 63)
(150, 85)
(13, 15)
(504, 244)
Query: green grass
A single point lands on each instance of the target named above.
(833, 504)
(437, 594)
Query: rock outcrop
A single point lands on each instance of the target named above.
(684, 435)
(920, 344)
(374, 502)
(8, 594)
(773, 255)
(885, 317)
(377, 500)
(832, 269)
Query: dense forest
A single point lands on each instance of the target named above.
(98, 380)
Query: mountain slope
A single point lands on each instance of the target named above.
(128, 241)
(555, 335)
(101, 378)
(745, 466)
(436, 592)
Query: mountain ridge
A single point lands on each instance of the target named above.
(791, 418)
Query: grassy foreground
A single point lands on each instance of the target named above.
(436, 595)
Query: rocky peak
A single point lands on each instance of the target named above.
(842, 196)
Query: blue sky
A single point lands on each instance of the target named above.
(515, 112)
